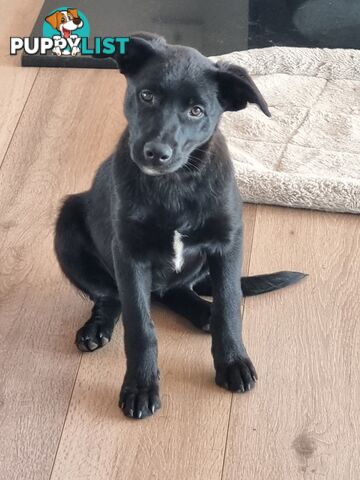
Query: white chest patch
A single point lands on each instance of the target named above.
(178, 246)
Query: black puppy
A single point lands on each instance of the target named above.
(163, 218)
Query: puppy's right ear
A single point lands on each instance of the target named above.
(236, 88)
(138, 51)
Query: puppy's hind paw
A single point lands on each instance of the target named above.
(92, 336)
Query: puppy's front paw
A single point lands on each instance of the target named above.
(75, 51)
(237, 376)
(139, 401)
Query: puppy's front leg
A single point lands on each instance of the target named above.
(233, 366)
(139, 396)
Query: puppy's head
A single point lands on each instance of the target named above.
(174, 99)
(65, 21)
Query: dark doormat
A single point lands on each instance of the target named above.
(211, 26)
(214, 27)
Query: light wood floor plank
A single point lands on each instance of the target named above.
(16, 20)
(302, 420)
(70, 123)
(185, 439)
(15, 87)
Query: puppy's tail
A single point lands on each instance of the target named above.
(256, 284)
(267, 283)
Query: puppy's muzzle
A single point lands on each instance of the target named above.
(156, 153)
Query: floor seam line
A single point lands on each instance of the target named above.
(18, 120)
(65, 418)
(227, 437)
(243, 313)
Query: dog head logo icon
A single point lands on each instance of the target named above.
(65, 21)
(66, 26)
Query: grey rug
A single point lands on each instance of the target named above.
(308, 154)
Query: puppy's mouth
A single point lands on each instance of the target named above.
(157, 171)
(66, 32)
(151, 171)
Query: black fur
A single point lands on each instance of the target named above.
(171, 171)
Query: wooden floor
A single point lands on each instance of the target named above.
(58, 408)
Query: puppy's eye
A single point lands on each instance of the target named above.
(196, 111)
(63, 20)
(146, 96)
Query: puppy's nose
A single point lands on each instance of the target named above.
(77, 20)
(157, 152)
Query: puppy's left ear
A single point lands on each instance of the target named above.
(236, 88)
(53, 19)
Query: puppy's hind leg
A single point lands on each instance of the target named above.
(204, 287)
(187, 303)
(76, 255)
